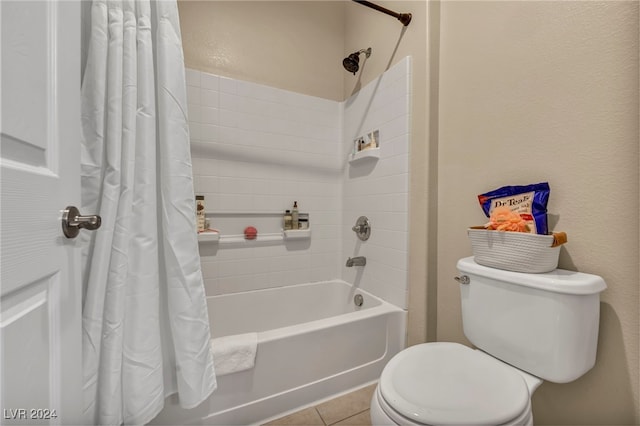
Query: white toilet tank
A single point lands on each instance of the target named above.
(545, 324)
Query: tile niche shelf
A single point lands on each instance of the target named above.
(288, 234)
(268, 223)
(365, 154)
(297, 234)
(208, 237)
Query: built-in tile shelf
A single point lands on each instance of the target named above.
(289, 234)
(244, 213)
(208, 237)
(297, 234)
(365, 154)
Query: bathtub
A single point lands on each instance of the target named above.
(313, 343)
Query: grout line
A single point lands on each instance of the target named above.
(324, 422)
(353, 415)
(320, 415)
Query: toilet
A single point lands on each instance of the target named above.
(527, 328)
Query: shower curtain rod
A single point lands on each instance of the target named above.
(405, 18)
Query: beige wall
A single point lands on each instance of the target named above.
(548, 91)
(291, 45)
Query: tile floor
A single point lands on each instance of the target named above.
(347, 410)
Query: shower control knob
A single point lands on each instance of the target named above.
(463, 279)
(73, 221)
(362, 228)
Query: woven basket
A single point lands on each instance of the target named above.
(516, 251)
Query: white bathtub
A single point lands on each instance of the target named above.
(313, 342)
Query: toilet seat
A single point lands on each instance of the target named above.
(382, 414)
(451, 384)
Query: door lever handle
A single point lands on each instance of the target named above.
(73, 221)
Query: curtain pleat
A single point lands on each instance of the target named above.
(145, 321)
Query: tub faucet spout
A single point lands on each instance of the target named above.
(356, 261)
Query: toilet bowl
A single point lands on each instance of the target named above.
(527, 328)
(451, 384)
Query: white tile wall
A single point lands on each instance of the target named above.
(379, 188)
(256, 149)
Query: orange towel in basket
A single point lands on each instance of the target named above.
(559, 238)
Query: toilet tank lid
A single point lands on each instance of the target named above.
(557, 281)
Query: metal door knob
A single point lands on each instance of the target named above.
(73, 221)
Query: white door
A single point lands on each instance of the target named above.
(40, 289)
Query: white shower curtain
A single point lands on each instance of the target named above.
(145, 322)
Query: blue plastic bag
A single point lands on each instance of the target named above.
(530, 201)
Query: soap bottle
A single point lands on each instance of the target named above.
(200, 214)
(373, 142)
(294, 216)
(287, 219)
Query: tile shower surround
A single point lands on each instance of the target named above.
(256, 149)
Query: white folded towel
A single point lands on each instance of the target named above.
(234, 353)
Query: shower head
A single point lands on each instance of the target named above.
(352, 62)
